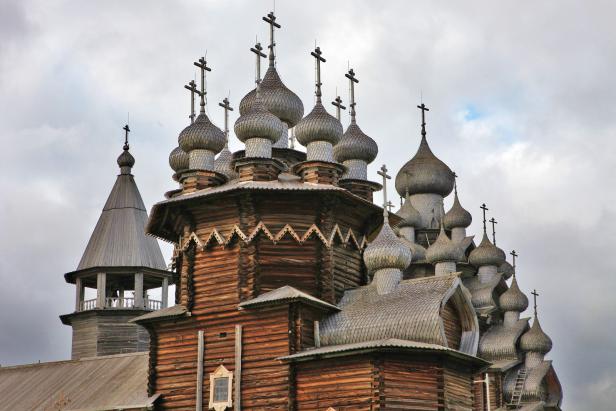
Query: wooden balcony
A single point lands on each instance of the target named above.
(123, 303)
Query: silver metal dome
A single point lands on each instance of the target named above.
(457, 216)
(257, 122)
(202, 135)
(355, 145)
(535, 340)
(486, 254)
(513, 299)
(387, 251)
(276, 98)
(409, 215)
(178, 160)
(443, 250)
(318, 125)
(425, 173)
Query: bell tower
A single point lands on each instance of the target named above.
(119, 267)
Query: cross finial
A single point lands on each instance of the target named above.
(455, 183)
(202, 64)
(192, 87)
(390, 205)
(514, 254)
(258, 50)
(484, 208)
(338, 104)
(535, 295)
(494, 222)
(227, 107)
(423, 109)
(126, 131)
(318, 60)
(271, 20)
(352, 81)
(383, 173)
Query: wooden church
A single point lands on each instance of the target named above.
(293, 289)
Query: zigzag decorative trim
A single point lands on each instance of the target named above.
(287, 231)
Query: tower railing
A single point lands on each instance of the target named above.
(121, 303)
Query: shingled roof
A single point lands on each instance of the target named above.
(500, 342)
(101, 383)
(541, 384)
(411, 312)
(119, 238)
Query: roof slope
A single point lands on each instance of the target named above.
(94, 383)
(501, 342)
(119, 238)
(411, 311)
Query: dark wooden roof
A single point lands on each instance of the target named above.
(119, 238)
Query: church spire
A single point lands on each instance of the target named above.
(352, 81)
(318, 59)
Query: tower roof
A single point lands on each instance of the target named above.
(119, 238)
(486, 254)
(409, 214)
(536, 340)
(514, 299)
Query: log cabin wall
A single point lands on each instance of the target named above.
(346, 384)
(411, 384)
(452, 324)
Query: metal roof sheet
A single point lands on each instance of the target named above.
(99, 383)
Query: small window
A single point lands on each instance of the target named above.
(221, 383)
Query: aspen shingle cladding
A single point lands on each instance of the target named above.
(542, 385)
(101, 383)
(410, 312)
(500, 342)
(119, 239)
(485, 295)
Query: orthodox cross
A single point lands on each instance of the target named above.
(494, 222)
(318, 60)
(202, 64)
(383, 173)
(514, 255)
(535, 295)
(192, 87)
(338, 103)
(484, 208)
(390, 206)
(126, 131)
(455, 182)
(352, 80)
(423, 109)
(227, 107)
(257, 49)
(271, 20)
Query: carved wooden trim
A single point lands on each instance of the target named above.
(215, 237)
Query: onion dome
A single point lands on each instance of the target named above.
(506, 270)
(486, 254)
(126, 159)
(417, 250)
(409, 215)
(224, 164)
(535, 340)
(457, 216)
(443, 249)
(178, 160)
(318, 125)
(355, 145)
(425, 173)
(387, 251)
(202, 135)
(277, 99)
(513, 299)
(257, 122)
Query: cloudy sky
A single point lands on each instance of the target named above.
(522, 108)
